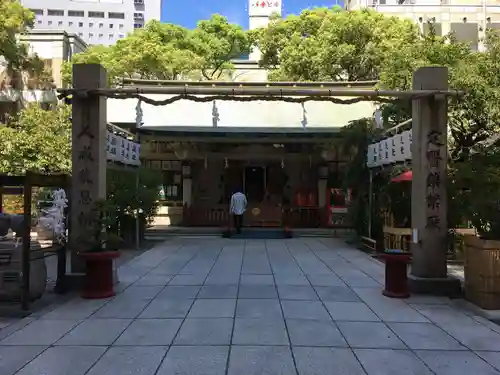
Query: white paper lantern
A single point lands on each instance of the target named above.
(407, 139)
(134, 153)
(372, 155)
(112, 149)
(399, 148)
(391, 159)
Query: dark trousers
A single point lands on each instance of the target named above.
(238, 221)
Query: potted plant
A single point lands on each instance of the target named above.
(478, 186)
(101, 249)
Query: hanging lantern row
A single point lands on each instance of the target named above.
(390, 150)
(122, 150)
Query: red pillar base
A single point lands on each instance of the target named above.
(98, 281)
(396, 275)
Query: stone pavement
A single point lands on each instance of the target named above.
(272, 307)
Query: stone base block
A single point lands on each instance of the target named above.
(449, 286)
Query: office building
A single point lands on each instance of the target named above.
(467, 19)
(95, 21)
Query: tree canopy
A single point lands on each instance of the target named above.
(37, 140)
(15, 55)
(168, 51)
(332, 44)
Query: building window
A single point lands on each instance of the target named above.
(96, 14)
(49, 22)
(138, 16)
(121, 36)
(70, 23)
(76, 13)
(91, 35)
(138, 2)
(91, 24)
(120, 16)
(40, 22)
(120, 26)
(55, 12)
(110, 36)
(137, 25)
(111, 25)
(80, 35)
(101, 25)
(80, 24)
(101, 36)
(38, 12)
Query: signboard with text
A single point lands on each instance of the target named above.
(264, 7)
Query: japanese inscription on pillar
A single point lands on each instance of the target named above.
(434, 179)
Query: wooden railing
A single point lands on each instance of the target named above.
(304, 217)
(292, 217)
(217, 216)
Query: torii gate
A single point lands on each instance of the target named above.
(429, 149)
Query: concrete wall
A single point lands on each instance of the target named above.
(94, 24)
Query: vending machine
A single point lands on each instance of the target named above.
(338, 201)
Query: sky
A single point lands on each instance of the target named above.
(188, 12)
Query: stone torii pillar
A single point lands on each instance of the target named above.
(428, 196)
(88, 183)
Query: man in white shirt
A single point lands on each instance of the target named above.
(237, 208)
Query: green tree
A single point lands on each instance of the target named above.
(332, 44)
(37, 140)
(16, 20)
(168, 52)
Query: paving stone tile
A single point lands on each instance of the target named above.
(258, 308)
(75, 309)
(261, 360)
(150, 332)
(12, 358)
(326, 361)
(387, 361)
(213, 308)
(371, 335)
(40, 332)
(425, 336)
(474, 336)
(142, 292)
(179, 292)
(257, 292)
(153, 280)
(336, 294)
(291, 279)
(314, 333)
(493, 358)
(297, 292)
(188, 280)
(195, 360)
(141, 360)
(167, 308)
(15, 325)
(257, 280)
(304, 310)
(211, 331)
(455, 363)
(223, 278)
(326, 280)
(218, 291)
(64, 360)
(122, 307)
(95, 332)
(255, 331)
(351, 311)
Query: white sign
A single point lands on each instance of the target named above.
(112, 147)
(372, 156)
(407, 144)
(264, 7)
(392, 150)
(399, 149)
